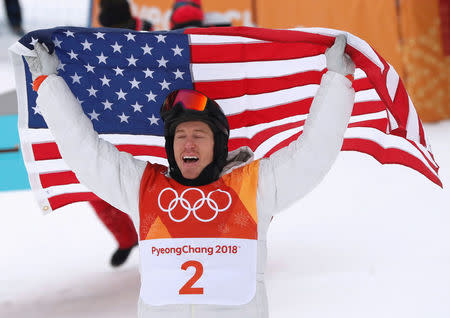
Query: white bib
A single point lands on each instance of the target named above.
(220, 271)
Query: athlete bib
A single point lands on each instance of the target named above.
(198, 245)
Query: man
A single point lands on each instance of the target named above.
(203, 221)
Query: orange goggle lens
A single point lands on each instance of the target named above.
(190, 99)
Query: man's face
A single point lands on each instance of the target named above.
(193, 147)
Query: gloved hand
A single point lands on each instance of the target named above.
(337, 60)
(43, 63)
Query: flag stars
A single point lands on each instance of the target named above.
(137, 107)
(100, 35)
(107, 104)
(102, 58)
(105, 81)
(151, 96)
(162, 62)
(153, 120)
(76, 78)
(118, 70)
(36, 110)
(89, 68)
(177, 51)
(60, 66)
(123, 118)
(94, 115)
(86, 45)
(148, 73)
(121, 95)
(57, 42)
(130, 36)
(92, 91)
(164, 85)
(116, 47)
(161, 38)
(73, 55)
(178, 74)
(33, 41)
(134, 83)
(69, 33)
(131, 60)
(147, 49)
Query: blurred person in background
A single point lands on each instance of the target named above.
(117, 14)
(14, 16)
(189, 14)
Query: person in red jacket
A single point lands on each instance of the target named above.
(117, 14)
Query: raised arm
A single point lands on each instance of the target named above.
(112, 175)
(292, 172)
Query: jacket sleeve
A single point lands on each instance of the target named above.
(292, 172)
(112, 175)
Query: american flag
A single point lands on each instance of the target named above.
(265, 81)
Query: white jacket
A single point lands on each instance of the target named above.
(115, 176)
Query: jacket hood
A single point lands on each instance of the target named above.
(237, 158)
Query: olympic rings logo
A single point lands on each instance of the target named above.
(196, 206)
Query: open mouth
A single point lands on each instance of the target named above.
(190, 159)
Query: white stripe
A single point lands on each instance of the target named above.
(47, 166)
(134, 139)
(412, 125)
(63, 189)
(196, 39)
(44, 135)
(271, 142)
(358, 118)
(392, 121)
(207, 72)
(368, 95)
(386, 141)
(251, 131)
(427, 152)
(392, 80)
(359, 74)
(236, 105)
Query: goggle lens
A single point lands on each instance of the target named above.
(188, 99)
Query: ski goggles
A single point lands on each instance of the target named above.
(188, 99)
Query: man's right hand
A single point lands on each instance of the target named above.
(43, 63)
(337, 60)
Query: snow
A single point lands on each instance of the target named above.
(369, 241)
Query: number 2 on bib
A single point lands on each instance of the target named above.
(187, 288)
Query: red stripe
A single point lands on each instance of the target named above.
(254, 86)
(50, 151)
(364, 108)
(400, 109)
(140, 150)
(249, 52)
(45, 151)
(380, 124)
(261, 136)
(57, 178)
(68, 198)
(267, 115)
(389, 156)
(362, 84)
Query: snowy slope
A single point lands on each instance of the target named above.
(370, 241)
